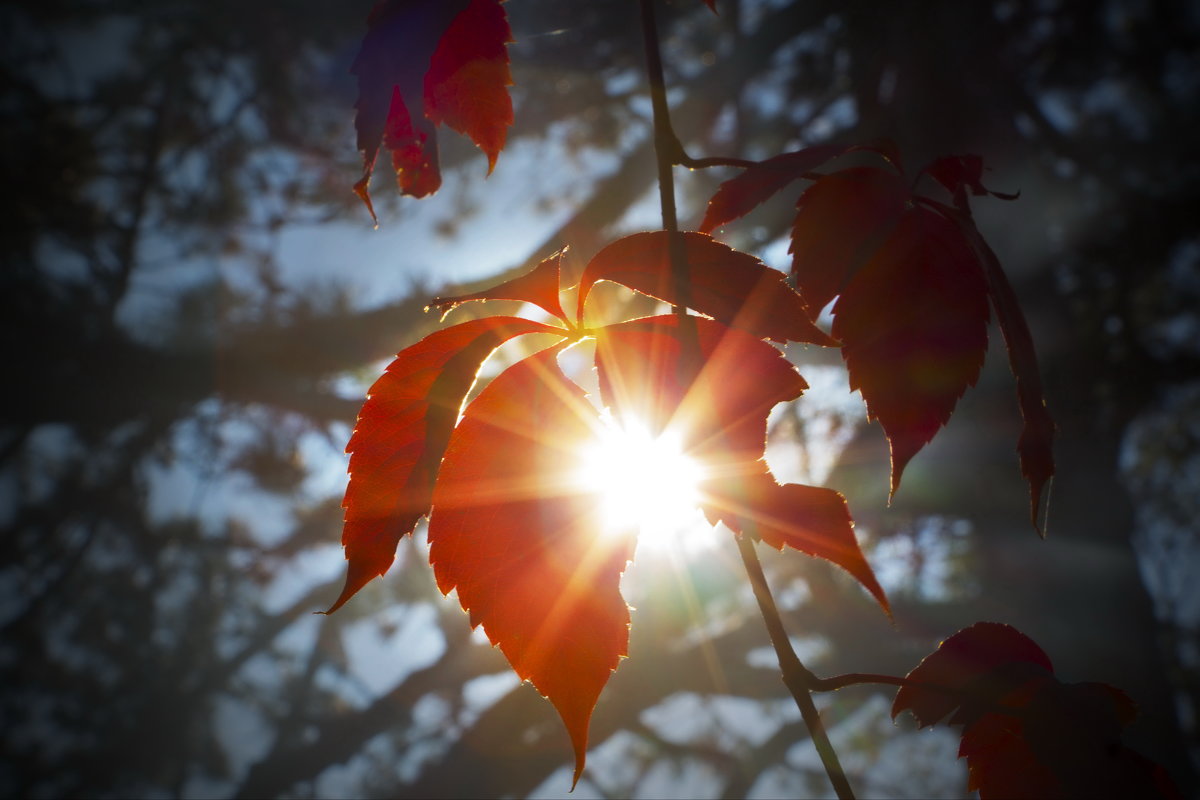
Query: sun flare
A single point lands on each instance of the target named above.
(645, 482)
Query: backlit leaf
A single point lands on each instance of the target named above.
(1036, 443)
(538, 286)
(401, 434)
(718, 406)
(733, 287)
(468, 79)
(423, 63)
(390, 66)
(913, 325)
(520, 541)
(810, 519)
(961, 173)
(938, 685)
(841, 221)
(1026, 733)
(740, 195)
(719, 411)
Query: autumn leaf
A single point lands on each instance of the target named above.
(733, 287)
(539, 286)
(718, 408)
(1035, 446)
(913, 325)
(940, 683)
(1025, 733)
(468, 79)
(961, 173)
(423, 63)
(521, 543)
(811, 519)
(401, 434)
(740, 195)
(913, 278)
(841, 221)
(718, 404)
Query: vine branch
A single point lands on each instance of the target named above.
(667, 150)
(796, 677)
(669, 153)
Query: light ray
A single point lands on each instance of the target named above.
(644, 482)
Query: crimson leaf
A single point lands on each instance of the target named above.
(913, 325)
(538, 286)
(401, 434)
(519, 539)
(1025, 733)
(731, 286)
(423, 63)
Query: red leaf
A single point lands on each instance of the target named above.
(840, 223)
(1062, 740)
(402, 432)
(738, 196)
(885, 149)
(810, 519)
(1036, 443)
(940, 682)
(733, 287)
(960, 173)
(538, 286)
(1000, 762)
(521, 544)
(468, 79)
(913, 326)
(452, 55)
(395, 53)
(718, 406)
(1025, 733)
(720, 414)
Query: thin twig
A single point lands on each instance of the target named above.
(836, 682)
(668, 151)
(796, 676)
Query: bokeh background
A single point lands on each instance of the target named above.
(193, 304)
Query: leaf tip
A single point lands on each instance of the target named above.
(360, 189)
(1039, 506)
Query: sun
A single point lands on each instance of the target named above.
(644, 482)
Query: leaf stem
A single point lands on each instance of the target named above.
(668, 151)
(684, 160)
(798, 679)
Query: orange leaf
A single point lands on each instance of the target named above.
(520, 540)
(913, 326)
(468, 79)
(402, 432)
(810, 519)
(740, 195)
(717, 406)
(538, 286)
(733, 287)
(841, 221)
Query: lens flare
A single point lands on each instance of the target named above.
(644, 482)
